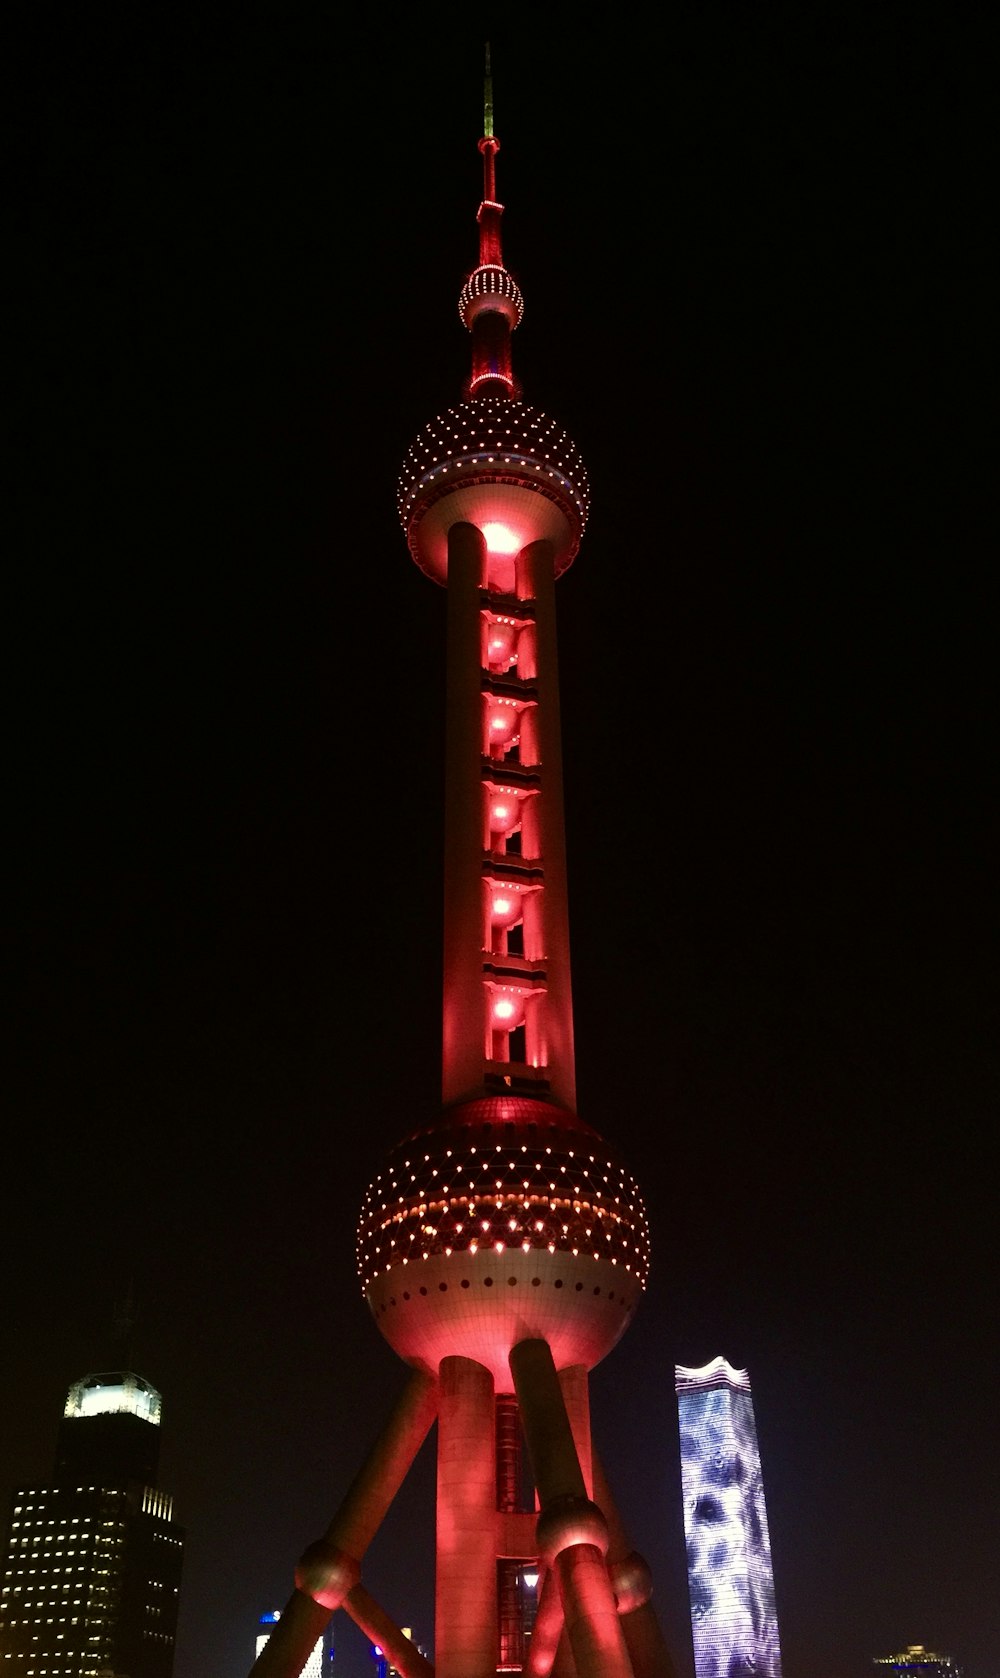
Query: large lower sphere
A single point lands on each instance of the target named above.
(508, 1219)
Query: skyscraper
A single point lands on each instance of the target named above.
(734, 1625)
(93, 1565)
(314, 1662)
(503, 1248)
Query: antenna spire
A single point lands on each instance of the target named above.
(488, 98)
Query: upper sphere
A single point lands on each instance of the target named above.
(492, 461)
(507, 1219)
(490, 289)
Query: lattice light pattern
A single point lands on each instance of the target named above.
(498, 1180)
(491, 287)
(494, 440)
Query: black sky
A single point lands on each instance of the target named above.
(753, 246)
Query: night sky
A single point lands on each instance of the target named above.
(752, 242)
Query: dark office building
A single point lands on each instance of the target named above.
(92, 1573)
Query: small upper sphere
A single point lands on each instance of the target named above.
(492, 290)
(492, 461)
(507, 1219)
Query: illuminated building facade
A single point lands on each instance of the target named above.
(734, 1625)
(314, 1660)
(917, 1662)
(93, 1566)
(503, 1248)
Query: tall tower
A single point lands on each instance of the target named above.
(93, 1567)
(503, 1248)
(734, 1624)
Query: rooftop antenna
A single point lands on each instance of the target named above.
(488, 98)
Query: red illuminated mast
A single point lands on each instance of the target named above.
(503, 1248)
(490, 304)
(494, 498)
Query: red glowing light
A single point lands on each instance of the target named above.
(500, 539)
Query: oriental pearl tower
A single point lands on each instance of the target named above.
(503, 1248)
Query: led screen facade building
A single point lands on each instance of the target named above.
(734, 1625)
(93, 1561)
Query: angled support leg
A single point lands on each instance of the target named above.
(572, 1533)
(403, 1654)
(547, 1630)
(330, 1568)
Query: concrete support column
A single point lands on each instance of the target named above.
(555, 1465)
(465, 1613)
(572, 1532)
(464, 1012)
(531, 837)
(547, 1630)
(530, 750)
(536, 576)
(533, 1044)
(592, 1625)
(534, 926)
(575, 1385)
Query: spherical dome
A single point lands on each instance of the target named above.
(492, 462)
(507, 1219)
(492, 289)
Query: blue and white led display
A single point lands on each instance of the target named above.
(730, 1579)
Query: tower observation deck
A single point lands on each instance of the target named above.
(503, 1248)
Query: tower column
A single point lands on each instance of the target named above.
(465, 1614)
(536, 581)
(464, 1014)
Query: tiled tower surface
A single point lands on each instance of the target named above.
(503, 1248)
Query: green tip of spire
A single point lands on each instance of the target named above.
(488, 98)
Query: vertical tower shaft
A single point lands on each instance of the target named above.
(507, 1005)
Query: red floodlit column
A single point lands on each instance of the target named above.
(464, 1015)
(592, 1624)
(536, 580)
(547, 1630)
(575, 1385)
(465, 1614)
